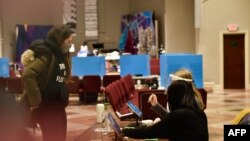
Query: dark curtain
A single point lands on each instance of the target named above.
(26, 36)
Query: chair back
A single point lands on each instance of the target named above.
(107, 79)
(91, 83)
(128, 84)
(74, 85)
(14, 85)
(113, 98)
(3, 85)
(145, 106)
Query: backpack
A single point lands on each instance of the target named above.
(37, 49)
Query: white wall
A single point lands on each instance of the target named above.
(180, 28)
(50, 12)
(0, 39)
(1, 5)
(110, 24)
(215, 16)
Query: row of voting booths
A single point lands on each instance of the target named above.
(4, 67)
(132, 64)
(140, 65)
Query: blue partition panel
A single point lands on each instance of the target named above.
(91, 65)
(169, 63)
(4, 67)
(135, 65)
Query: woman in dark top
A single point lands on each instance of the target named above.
(181, 74)
(45, 81)
(186, 120)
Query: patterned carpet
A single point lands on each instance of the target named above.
(222, 107)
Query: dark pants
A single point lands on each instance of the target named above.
(53, 123)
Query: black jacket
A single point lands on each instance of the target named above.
(179, 125)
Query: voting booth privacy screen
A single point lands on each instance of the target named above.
(88, 66)
(135, 65)
(4, 67)
(170, 63)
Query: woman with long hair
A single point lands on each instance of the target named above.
(185, 121)
(45, 79)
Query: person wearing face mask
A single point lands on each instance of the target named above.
(44, 80)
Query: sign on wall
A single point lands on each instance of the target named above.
(91, 19)
(69, 11)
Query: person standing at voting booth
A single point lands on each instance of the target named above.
(186, 120)
(44, 80)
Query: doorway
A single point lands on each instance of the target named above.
(234, 61)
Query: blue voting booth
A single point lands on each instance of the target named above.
(91, 65)
(4, 67)
(169, 63)
(135, 65)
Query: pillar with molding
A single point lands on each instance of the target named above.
(1, 40)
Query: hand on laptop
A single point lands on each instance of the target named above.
(153, 99)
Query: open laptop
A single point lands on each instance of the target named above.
(134, 108)
(114, 124)
(138, 112)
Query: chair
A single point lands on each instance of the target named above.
(3, 85)
(74, 85)
(113, 98)
(145, 106)
(107, 79)
(91, 85)
(14, 86)
(117, 102)
(129, 86)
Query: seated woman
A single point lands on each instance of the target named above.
(186, 120)
(182, 74)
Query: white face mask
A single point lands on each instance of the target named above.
(65, 47)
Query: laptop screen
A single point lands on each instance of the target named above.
(134, 108)
(114, 124)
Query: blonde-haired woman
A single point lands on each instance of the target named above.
(181, 74)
